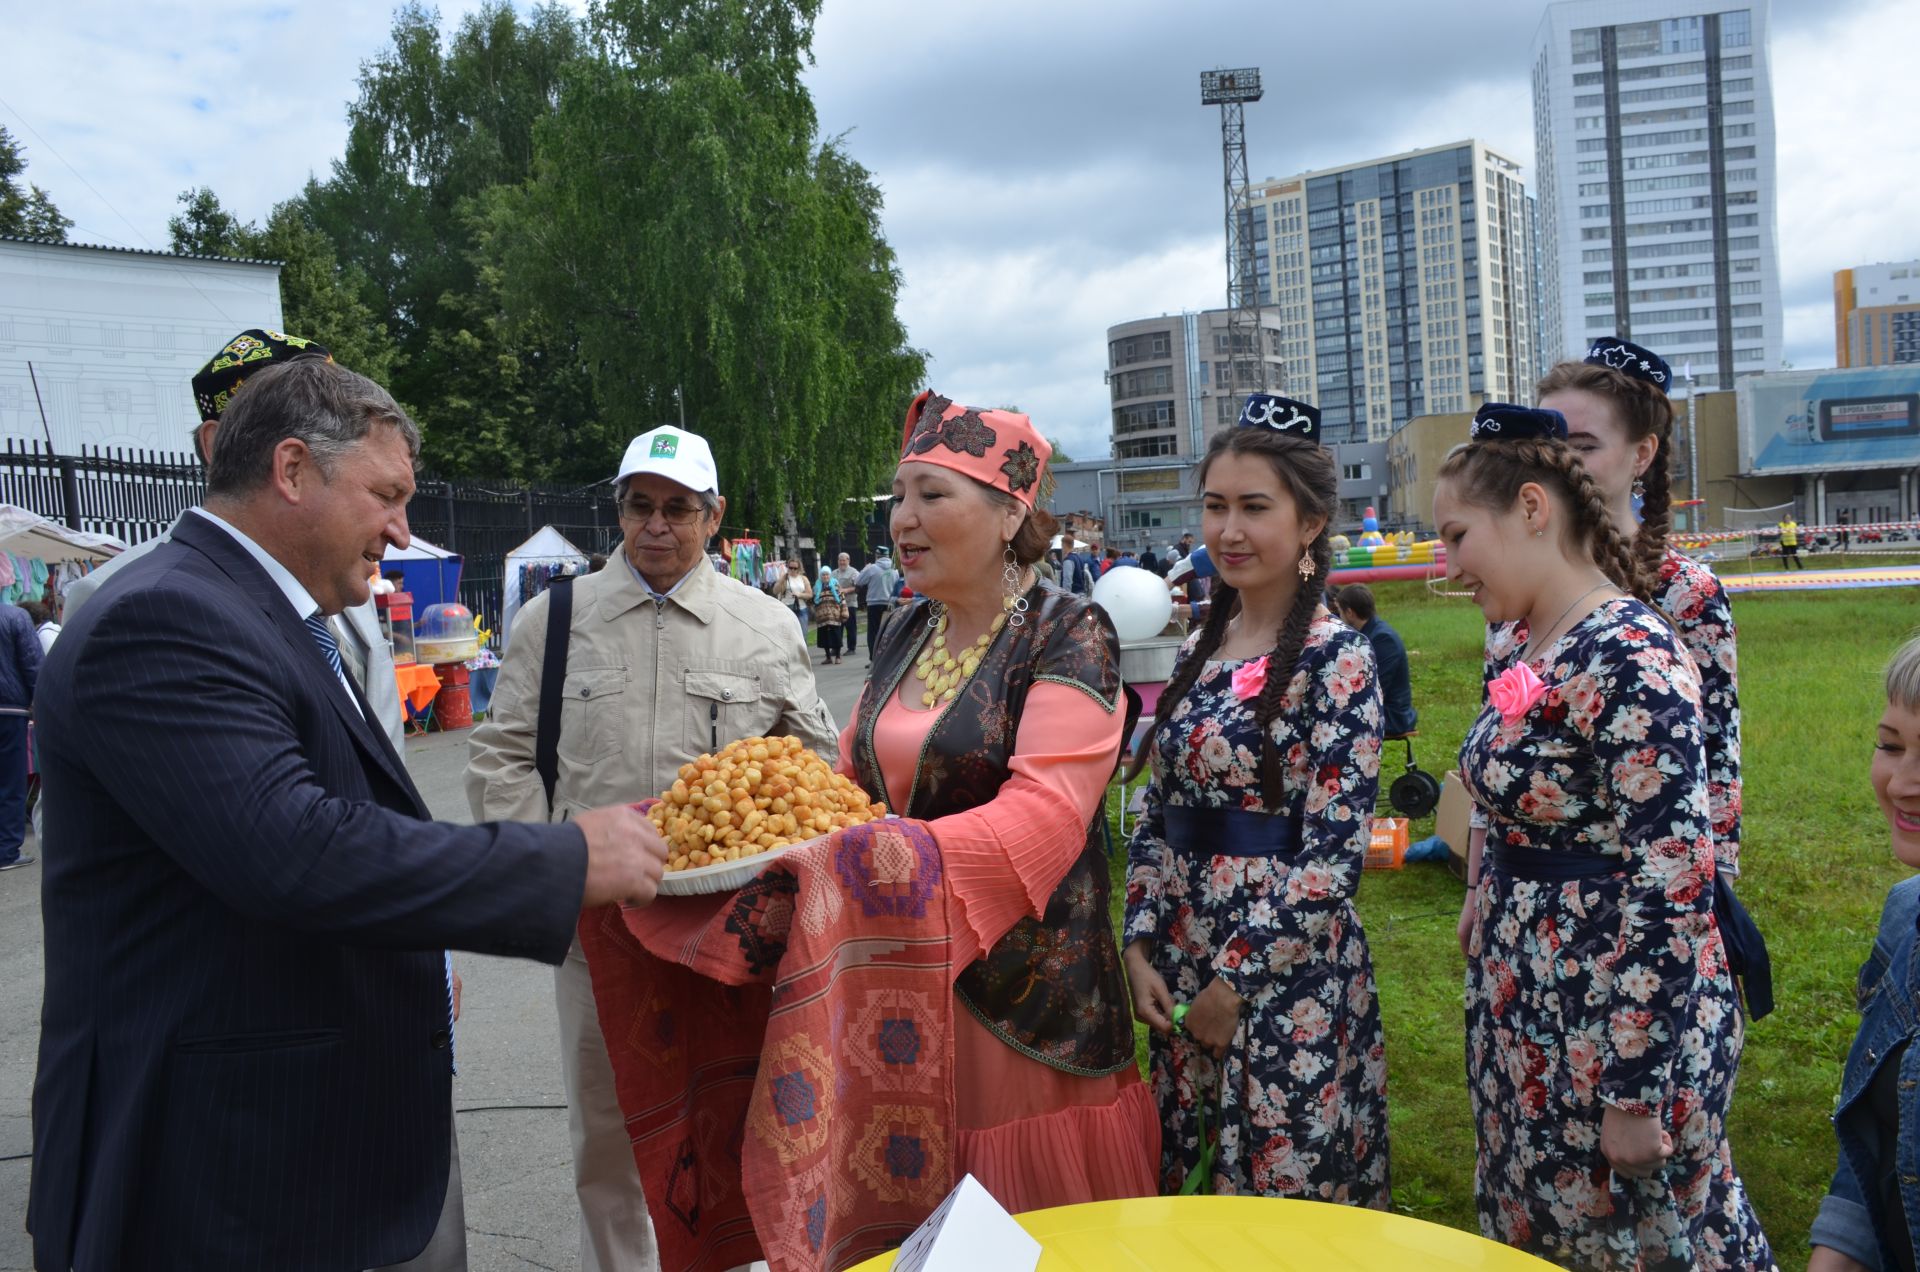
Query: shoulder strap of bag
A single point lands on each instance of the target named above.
(553, 679)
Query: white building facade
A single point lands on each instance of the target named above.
(113, 337)
(1654, 142)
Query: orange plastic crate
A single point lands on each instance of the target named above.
(1388, 849)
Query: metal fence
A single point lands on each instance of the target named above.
(483, 521)
(136, 495)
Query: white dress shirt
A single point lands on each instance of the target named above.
(304, 606)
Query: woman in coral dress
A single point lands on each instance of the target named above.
(993, 715)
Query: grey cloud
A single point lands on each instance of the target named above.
(1048, 167)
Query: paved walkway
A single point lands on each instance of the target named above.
(513, 1126)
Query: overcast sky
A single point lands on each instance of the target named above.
(1048, 168)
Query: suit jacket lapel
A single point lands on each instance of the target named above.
(246, 574)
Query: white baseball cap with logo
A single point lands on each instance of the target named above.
(675, 454)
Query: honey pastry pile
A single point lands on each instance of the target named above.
(755, 796)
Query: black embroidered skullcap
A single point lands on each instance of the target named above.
(1630, 359)
(1281, 415)
(252, 350)
(1508, 422)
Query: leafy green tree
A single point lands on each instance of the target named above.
(319, 299)
(205, 228)
(710, 254)
(437, 124)
(28, 212)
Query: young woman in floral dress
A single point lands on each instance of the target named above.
(1602, 1025)
(1620, 423)
(1242, 872)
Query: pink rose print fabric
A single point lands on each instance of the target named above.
(1693, 597)
(1609, 990)
(1303, 1100)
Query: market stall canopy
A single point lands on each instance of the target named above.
(547, 547)
(431, 572)
(547, 544)
(28, 534)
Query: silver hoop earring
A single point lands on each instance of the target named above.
(936, 615)
(1016, 603)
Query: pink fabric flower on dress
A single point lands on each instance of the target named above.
(1514, 691)
(1250, 678)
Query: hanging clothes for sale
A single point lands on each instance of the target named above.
(531, 568)
(746, 562)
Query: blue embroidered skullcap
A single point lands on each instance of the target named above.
(1281, 415)
(1508, 422)
(1630, 359)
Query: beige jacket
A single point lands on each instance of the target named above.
(650, 685)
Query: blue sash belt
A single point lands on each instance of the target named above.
(1746, 948)
(1232, 832)
(1544, 865)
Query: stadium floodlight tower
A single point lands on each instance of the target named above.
(1231, 91)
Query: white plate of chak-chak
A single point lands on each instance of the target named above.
(730, 815)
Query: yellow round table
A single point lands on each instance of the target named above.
(1234, 1234)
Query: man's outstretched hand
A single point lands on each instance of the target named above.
(625, 855)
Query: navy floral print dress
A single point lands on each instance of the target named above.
(1303, 1110)
(1610, 989)
(1692, 596)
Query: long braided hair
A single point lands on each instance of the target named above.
(1642, 410)
(1489, 474)
(1306, 473)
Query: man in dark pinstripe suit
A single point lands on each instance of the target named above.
(244, 1051)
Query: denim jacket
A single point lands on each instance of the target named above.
(1850, 1218)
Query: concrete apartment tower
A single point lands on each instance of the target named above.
(1653, 137)
(1404, 286)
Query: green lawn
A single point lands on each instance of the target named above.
(1815, 866)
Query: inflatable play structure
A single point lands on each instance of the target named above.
(1385, 558)
(1377, 558)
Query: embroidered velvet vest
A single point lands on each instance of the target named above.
(1052, 988)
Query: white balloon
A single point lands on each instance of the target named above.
(1136, 600)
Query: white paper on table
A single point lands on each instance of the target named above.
(969, 1231)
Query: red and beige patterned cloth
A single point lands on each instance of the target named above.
(784, 1054)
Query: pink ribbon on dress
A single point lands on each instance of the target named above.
(1514, 691)
(1250, 678)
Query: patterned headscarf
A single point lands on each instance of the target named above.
(828, 582)
(252, 350)
(996, 448)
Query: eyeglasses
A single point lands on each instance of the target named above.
(678, 513)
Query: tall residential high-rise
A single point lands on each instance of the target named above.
(1876, 314)
(1404, 286)
(1653, 136)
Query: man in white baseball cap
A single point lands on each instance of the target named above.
(673, 453)
(664, 658)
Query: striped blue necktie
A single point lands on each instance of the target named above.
(323, 637)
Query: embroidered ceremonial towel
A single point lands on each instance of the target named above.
(784, 1053)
